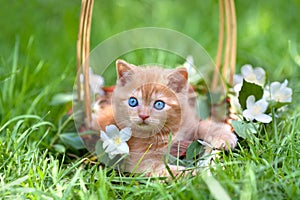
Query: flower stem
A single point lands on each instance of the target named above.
(275, 125)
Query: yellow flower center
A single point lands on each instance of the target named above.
(251, 77)
(256, 110)
(117, 140)
(280, 97)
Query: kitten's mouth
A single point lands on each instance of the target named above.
(143, 123)
(143, 129)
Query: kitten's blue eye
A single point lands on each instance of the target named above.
(132, 102)
(159, 105)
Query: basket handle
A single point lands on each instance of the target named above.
(83, 50)
(227, 11)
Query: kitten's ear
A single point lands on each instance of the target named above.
(178, 79)
(123, 68)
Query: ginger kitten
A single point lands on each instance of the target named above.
(154, 103)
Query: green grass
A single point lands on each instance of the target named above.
(38, 61)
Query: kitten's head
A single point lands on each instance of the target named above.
(148, 99)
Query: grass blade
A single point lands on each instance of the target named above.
(215, 188)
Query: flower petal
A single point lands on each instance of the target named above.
(260, 73)
(284, 84)
(263, 104)
(263, 118)
(112, 131)
(123, 148)
(107, 143)
(237, 79)
(286, 92)
(103, 136)
(287, 95)
(237, 88)
(274, 87)
(189, 63)
(246, 70)
(250, 101)
(280, 92)
(248, 115)
(267, 94)
(111, 155)
(125, 134)
(111, 148)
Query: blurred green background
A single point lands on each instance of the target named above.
(43, 34)
(38, 61)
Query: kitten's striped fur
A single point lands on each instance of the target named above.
(148, 85)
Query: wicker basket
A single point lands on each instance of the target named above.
(225, 60)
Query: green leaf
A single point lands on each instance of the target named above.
(61, 98)
(99, 148)
(59, 148)
(194, 149)
(103, 157)
(247, 90)
(216, 97)
(73, 140)
(202, 106)
(101, 154)
(243, 129)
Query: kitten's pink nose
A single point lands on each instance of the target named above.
(143, 116)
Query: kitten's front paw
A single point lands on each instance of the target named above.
(223, 138)
(218, 134)
(225, 141)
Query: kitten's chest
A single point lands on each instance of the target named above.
(143, 145)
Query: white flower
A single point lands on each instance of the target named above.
(114, 141)
(267, 94)
(280, 92)
(237, 83)
(235, 104)
(96, 82)
(256, 110)
(96, 106)
(194, 75)
(237, 79)
(256, 75)
(189, 62)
